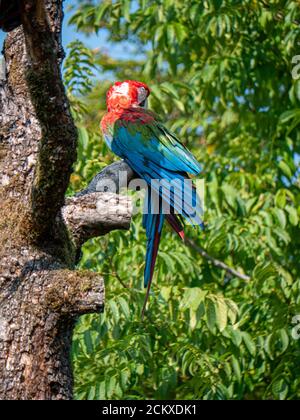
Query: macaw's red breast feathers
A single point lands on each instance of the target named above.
(137, 115)
(127, 94)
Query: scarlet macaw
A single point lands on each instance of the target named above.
(135, 134)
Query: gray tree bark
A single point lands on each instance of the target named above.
(41, 293)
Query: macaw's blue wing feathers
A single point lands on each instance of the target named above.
(175, 188)
(156, 144)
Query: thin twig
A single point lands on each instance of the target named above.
(215, 262)
(116, 275)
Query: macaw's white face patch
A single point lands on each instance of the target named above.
(142, 94)
(122, 89)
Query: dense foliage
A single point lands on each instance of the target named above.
(221, 74)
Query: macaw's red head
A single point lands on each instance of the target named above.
(127, 94)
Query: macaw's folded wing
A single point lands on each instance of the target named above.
(154, 142)
(158, 157)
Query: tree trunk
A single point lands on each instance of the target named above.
(40, 235)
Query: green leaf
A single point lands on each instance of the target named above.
(234, 335)
(193, 319)
(83, 137)
(236, 368)
(125, 307)
(114, 309)
(293, 215)
(285, 169)
(170, 89)
(88, 342)
(166, 292)
(233, 311)
(140, 369)
(284, 338)
(249, 343)
(221, 314)
(265, 272)
(281, 217)
(211, 317)
(102, 9)
(92, 393)
(101, 394)
(126, 10)
(288, 115)
(111, 386)
(280, 389)
(192, 298)
(280, 199)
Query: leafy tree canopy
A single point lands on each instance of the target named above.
(223, 76)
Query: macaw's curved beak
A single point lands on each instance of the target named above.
(144, 104)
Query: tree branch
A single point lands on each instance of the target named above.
(57, 148)
(112, 178)
(96, 214)
(215, 262)
(98, 209)
(73, 293)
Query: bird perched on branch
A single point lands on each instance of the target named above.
(154, 153)
(10, 15)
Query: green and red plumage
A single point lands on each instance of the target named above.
(157, 156)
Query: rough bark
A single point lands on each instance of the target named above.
(41, 294)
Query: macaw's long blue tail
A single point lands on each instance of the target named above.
(154, 217)
(153, 223)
